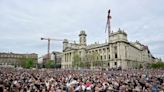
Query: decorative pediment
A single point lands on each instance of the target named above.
(68, 49)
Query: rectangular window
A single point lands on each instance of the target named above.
(79, 52)
(115, 63)
(109, 57)
(101, 57)
(100, 50)
(115, 55)
(108, 50)
(104, 56)
(115, 48)
(108, 64)
(104, 51)
(125, 52)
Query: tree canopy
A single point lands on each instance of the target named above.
(50, 64)
(27, 63)
(157, 65)
(76, 61)
(93, 59)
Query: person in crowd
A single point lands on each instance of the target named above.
(51, 80)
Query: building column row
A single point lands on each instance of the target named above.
(68, 57)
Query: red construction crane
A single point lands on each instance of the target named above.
(50, 39)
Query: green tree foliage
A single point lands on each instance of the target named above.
(89, 59)
(96, 59)
(157, 65)
(27, 63)
(50, 64)
(76, 61)
(93, 59)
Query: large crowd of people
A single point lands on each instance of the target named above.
(51, 80)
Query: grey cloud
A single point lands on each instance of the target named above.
(25, 21)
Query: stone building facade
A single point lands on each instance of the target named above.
(118, 52)
(15, 59)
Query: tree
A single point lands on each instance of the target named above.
(96, 59)
(157, 65)
(89, 59)
(76, 61)
(27, 62)
(57, 65)
(140, 66)
(93, 59)
(21, 62)
(49, 64)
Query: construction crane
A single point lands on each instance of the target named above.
(49, 40)
(108, 24)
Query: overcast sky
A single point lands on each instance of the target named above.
(24, 22)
